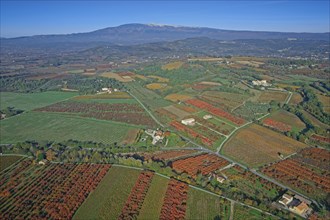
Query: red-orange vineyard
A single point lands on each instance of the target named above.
(135, 200)
(175, 202)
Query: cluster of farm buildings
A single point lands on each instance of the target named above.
(296, 204)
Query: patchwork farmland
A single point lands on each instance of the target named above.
(121, 112)
(308, 172)
(256, 145)
(67, 187)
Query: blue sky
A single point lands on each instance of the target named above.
(22, 18)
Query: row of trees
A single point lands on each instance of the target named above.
(84, 84)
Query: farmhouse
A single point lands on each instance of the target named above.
(296, 204)
(300, 209)
(3, 116)
(286, 199)
(188, 121)
(207, 117)
(260, 83)
(157, 135)
(219, 178)
(106, 90)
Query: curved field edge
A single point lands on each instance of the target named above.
(41, 126)
(108, 199)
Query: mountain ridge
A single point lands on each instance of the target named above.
(136, 33)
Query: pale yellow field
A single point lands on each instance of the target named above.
(140, 77)
(250, 63)
(177, 97)
(155, 86)
(173, 65)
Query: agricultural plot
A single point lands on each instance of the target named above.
(201, 205)
(204, 164)
(289, 121)
(108, 101)
(153, 201)
(252, 111)
(256, 145)
(149, 98)
(55, 190)
(42, 126)
(159, 79)
(251, 184)
(175, 97)
(223, 126)
(174, 140)
(179, 113)
(172, 65)
(315, 121)
(307, 172)
(320, 139)
(194, 134)
(7, 161)
(216, 111)
(131, 136)
(29, 101)
(267, 96)
(136, 198)
(156, 86)
(202, 86)
(296, 99)
(108, 199)
(245, 213)
(174, 205)
(225, 100)
(117, 76)
(113, 95)
(325, 100)
(120, 112)
(277, 125)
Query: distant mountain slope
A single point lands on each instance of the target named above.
(210, 47)
(129, 34)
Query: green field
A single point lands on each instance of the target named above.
(6, 161)
(29, 101)
(108, 199)
(42, 126)
(154, 199)
(201, 205)
(245, 213)
(149, 98)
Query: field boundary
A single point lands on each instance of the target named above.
(200, 189)
(147, 110)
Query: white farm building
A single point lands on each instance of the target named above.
(188, 121)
